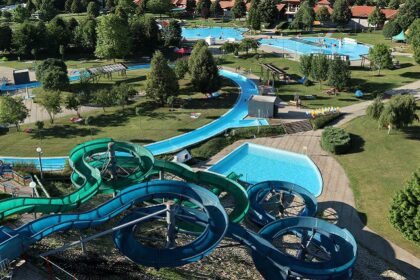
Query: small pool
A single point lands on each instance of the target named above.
(258, 163)
(309, 45)
(220, 33)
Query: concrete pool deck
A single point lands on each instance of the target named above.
(337, 199)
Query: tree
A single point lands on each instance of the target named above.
(161, 80)
(375, 109)
(323, 15)
(399, 112)
(58, 33)
(159, 6)
(198, 45)
(341, 13)
(190, 6)
(254, 16)
(414, 34)
(93, 9)
(103, 98)
(113, 38)
(391, 28)
(50, 101)
(128, 7)
(304, 17)
(203, 8)
(7, 15)
(239, 9)
(338, 73)
(110, 5)
(67, 6)
(204, 72)
(20, 14)
(76, 6)
(249, 43)
(122, 94)
(394, 4)
(305, 62)
(145, 33)
(85, 34)
(376, 18)
(408, 13)
(267, 10)
(12, 111)
(172, 34)
(405, 210)
(380, 57)
(181, 68)
(28, 36)
(52, 73)
(215, 8)
(417, 55)
(5, 37)
(229, 47)
(319, 68)
(73, 102)
(47, 10)
(39, 126)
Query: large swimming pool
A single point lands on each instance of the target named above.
(258, 163)
(220, 33)
(311, 45)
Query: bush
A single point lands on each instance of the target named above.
(210, 148)
(24, 169)
(375, 109)
(4, 195)
(335, 140)
(322, 121)
(405, 211)
(251, 132)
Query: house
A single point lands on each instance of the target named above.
(292, 6)
(360, 15)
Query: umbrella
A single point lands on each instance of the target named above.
(359, 93)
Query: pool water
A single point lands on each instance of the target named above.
(258, 163)
(220, 33)
(311, 45)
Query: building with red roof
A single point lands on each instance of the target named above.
(360, 15)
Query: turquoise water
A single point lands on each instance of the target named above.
(258, 163)
(331, 46)
(48, 164)
(220, 33)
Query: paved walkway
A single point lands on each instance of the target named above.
(337, 197)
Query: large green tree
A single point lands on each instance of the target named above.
(145, 33)
(268, 11)
(161, 80)
(414, 39)
(399, 112)
(73, 101)
(408, 13)
(12, 111)
(93, 9)
(405, 209)
(52, 73)
(172, 34)
(203, 69)
(122, 94)
(380, 57)
(215, 8)
(85, 34)
(50, 101)
(28, 36)
(254, 16)
(323, 15)
(341, 13)
(5, 37)
(391, 28)
(239, 9)
(249, 43)
(20, 14)
(319, 68)
(159, 6)
(103, 98)
(47, 10)
(304, 17)
(203, 8)
(338, 73)
(376, 18)
(305, 63)
(59, 34)
(113, 38)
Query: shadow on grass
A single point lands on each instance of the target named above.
(116, 119)
(411, 75)
(185, 130)
(142, 141)
(357, 144)
(412, 132)
(66, 131)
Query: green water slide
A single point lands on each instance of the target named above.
(89, 161)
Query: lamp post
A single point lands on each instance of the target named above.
(32, 185)
(39, 151)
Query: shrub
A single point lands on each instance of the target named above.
(405, 211)
(322, 121)
(375, 109)
(4, 195)
(210, 148)
(335, 140)
(24, 169)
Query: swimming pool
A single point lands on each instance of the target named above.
(220, 33)
(309, 45)
(258, 163)
(48, 163)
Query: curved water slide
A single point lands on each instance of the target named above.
(86, 177)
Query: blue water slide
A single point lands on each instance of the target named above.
(257, 195)
(13, 242)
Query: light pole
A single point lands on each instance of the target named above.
(32, 185)
(39, 151)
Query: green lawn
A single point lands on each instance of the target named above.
(377, 167)
(152, 125)
(198, 22)
(362, 79)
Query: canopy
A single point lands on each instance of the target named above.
(399, 37)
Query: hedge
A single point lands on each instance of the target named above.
(335, 140)
(322, 121)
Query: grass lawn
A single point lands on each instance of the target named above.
(363, 79)
(152, 125)
(378, 166)
(198, 22)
